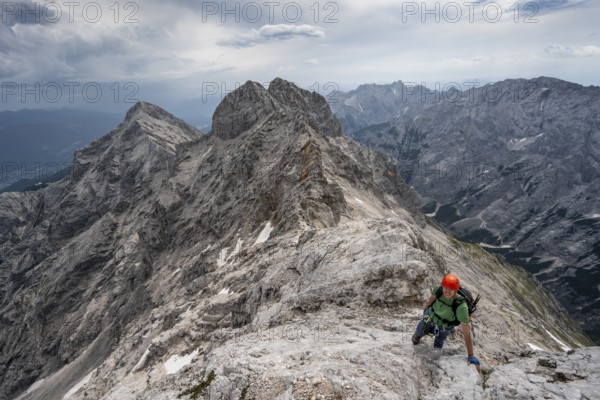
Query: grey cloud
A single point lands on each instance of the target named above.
(553, 4)
(258, 13)
(560, 51)
(541, 7)
(27, 12)
(270, 33)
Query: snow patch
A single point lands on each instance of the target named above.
(534, 347)
(175, 363)
(359, 200)
(561, 344)
(520, 144)
(208, 151)
(81, 384)
(263, 236)
(224, 291)
(491, 246)
(222, 257)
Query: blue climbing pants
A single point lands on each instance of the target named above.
(426, 326)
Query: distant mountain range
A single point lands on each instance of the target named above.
(514, 165)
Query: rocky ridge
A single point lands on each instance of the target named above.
(271, 258)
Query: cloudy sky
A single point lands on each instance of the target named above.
(106, 54)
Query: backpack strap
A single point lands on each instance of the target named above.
(457, 302)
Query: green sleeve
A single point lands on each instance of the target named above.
(435, 289)
(462, 313)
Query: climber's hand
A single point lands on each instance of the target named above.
(473, 360)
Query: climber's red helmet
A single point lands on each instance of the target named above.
(451, 281)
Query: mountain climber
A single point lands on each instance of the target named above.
(443, 311)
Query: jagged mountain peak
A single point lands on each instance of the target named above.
(144, 107)
(295, 98)
(143, 122)
(251, 104)
(292, 96)
(162, 127)
(241, 109)
(365, 86)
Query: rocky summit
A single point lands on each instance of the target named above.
(513, 165)
(271, 258)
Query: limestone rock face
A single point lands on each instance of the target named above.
(294, 98)
(543, 375)
(271, 258)
(241, 109)
(73, 266)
